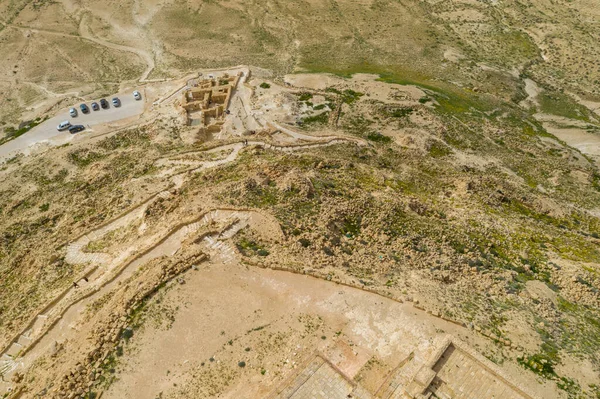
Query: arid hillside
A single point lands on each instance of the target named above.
(436, 162)
(60, 48)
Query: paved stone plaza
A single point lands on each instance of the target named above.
(458, 375)
(451, 371)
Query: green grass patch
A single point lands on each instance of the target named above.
(11, 133)
(378, 137)
(305, 96)
(350, 96)
(539, 364)
(85, 157)
(437, 150)
(450, 98)
(560, 104)
(570, 386)
(351, 227)
(251, 247)
(320, 119)
(398, 112)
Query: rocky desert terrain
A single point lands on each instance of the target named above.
(310, 199)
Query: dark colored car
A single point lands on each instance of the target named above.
(95, 107)
(116, 102)
(76, 129)
(104, 103)
(84, 108)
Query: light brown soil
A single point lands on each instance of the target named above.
(225, 301)
(281, 317)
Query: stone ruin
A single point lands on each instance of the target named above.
(205, 102)
(452, 370)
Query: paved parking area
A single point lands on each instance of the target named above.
(47, 130)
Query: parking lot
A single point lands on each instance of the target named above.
(47, 131)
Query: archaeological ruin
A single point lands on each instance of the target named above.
(205, 102)
(450, 370)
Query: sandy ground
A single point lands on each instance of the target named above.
(362, 82)
(572, 132)
(586, 142)
(230, 313)
(532, 90)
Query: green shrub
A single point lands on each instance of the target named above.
(12, 133)
(305, 97)
(304, 242)
(127, 333)
(320, 119)
(262, 252)
(378, 137)
(84, 157)
(438, 150)
(539, 364)
(401, 112)
(350, 96)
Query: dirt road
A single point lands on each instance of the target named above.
(143, 54)
(85, 34)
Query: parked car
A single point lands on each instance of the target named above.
(84, 108)
(73, 112)
(76, 129)
(104, 103)
(137, 95)
(95, 106)
(116, 102)
(63, 126)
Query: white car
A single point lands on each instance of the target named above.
(73, 112)
(137, 95)
(63, 126)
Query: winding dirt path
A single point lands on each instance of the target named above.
(301, 136)
(59, 322)
(58, 319)
(85, 34)
(173, 165)
(146, 56)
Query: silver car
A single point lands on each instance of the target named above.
(73, 112)
(63, 126)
